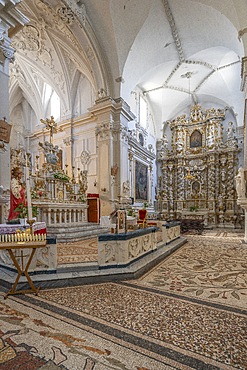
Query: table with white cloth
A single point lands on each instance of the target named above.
(38, 228)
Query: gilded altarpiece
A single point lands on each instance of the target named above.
(196, 178)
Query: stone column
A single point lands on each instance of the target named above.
(9, 19)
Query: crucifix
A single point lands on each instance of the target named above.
(51, 126)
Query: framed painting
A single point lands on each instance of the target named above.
(141, 181)
(196, 139)
(121, 221)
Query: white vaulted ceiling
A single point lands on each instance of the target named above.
(175, 51)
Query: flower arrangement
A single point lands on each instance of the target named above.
(61, 176)
(193, 209)
(130, 212)
(23, 211)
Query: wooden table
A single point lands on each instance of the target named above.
(21, 269)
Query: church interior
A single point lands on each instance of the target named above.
(123, 197)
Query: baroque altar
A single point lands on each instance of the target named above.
(59, 196)
(197, 173)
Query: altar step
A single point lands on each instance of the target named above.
(74, 232)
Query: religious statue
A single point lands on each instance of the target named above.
(230, 131)
(83, 182)
(51, 152)
(179, 143)
(17, 193)
(126, 188)
(240, 183)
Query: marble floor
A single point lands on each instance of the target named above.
(188, 312)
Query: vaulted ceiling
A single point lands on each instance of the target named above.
(175, 52)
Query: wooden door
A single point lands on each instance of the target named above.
(93, 210)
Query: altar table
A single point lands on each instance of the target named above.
(38, 228)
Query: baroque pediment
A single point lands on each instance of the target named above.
(197, 116)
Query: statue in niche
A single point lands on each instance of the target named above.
(196, 139)
(126, 188)
(230, 131)
(240, 183)
(179, 143)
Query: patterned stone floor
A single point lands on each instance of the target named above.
(189, 312)
(212, 269)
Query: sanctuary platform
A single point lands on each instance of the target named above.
(135, 253)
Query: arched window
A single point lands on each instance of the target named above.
(51, 102)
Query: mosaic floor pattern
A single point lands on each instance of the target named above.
(213, 270)
(189, 312)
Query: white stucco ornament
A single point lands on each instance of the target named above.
(85, 157)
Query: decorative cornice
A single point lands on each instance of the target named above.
(11, 16)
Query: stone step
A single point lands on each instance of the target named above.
(74, 232)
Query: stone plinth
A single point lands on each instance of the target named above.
(44, 259)
(170, 231)
(122, 249)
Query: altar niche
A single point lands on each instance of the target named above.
(197, 176)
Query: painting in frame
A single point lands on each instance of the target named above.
(141, 181)
(121, 221)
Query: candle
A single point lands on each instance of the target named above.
(29, 202)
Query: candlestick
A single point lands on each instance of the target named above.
(29, 202)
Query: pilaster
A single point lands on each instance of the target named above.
(112, 118)
(10, 20)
